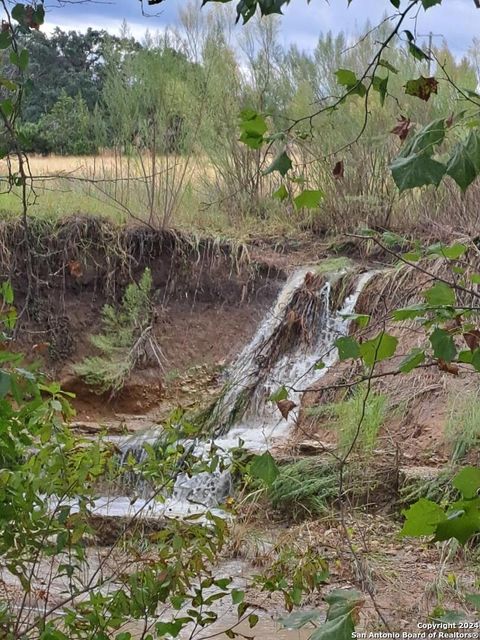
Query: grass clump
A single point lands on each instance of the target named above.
(305, 488)
(126, 340)
(462, 429)
(346, 416)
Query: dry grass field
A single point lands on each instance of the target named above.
(165, 191)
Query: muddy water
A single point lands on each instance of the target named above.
(267, 628)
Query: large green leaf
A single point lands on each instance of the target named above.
(422, 518)
(264, 468)
(309, 199)
(416, 171)
(282, 164)
(462, 527)
(464, 164)
(441, 294)
(426, 140)
(379, 348)
(412, 360)
(342, 612)
(443, 345)
(347, 347)
(467, 481)
(299, 619)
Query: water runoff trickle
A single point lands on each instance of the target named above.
(295, 334)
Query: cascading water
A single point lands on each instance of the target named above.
(298, 332)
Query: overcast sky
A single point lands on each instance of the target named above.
(458, 21)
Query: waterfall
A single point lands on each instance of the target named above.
(244, 410)
(296, 334)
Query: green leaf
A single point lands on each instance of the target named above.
(467, 481)
(310, 199)
(252, 127)
(20, 60)
(462, 527)
(452, 252)
(264, 468)
(282, 164)
(299, 619)
(443, 345)
(253, 620)
(441, 294)
(361, 319)
(412, 256)
(348, 79)
(416, 171)
(379, 348)
(340, 628)
(344, 604)
(412, 360)
(345, 77)
(464, 164)
(280, 394)
(430, 3)
(6, 291)
(5, 39)
(170, 628)
(281, 193)
(426, 139)
(252, 122)
(380, 84)
(237, 596)
(474, 359)
(347, 347)
(416, 52)
(409, 313)
(422, 518)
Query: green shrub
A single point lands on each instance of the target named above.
(126, 341)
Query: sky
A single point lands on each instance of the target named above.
(456, 21)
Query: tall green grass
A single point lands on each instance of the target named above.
(462, 429)
(357, 420)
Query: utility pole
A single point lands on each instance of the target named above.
(430, 44)
(430, 37)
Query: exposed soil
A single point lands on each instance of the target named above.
(208, 307)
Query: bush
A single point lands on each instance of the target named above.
(67, 129)
(126, 341)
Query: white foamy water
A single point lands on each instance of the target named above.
(262, 424)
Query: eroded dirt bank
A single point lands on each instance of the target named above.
(209, 298)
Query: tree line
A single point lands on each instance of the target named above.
(70, 104)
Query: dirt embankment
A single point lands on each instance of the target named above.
(210, 295)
